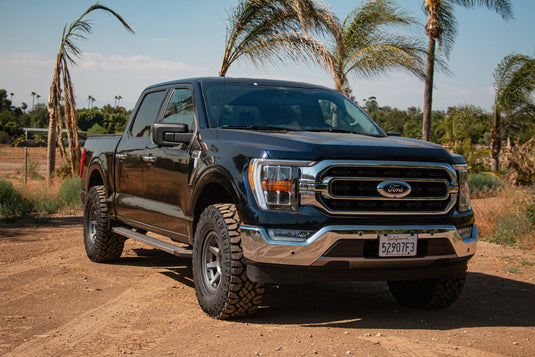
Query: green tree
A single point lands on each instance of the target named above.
(269, 30)
(24, 106)
(62, 85)
(464, 122)
(514, 82)
(441, 26)
(368, 45)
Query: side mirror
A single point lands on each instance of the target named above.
(170, 134)
(391, 133)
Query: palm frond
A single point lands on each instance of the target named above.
(62, 88)
(371, 47)
(271, 23)
(514, 81)
(448, 22)
(503, 8)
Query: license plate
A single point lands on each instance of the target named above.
(398, 245)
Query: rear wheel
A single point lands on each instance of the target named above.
(101, 244)
(219, 270)
(428, 294)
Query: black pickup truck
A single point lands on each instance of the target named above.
(274, 182)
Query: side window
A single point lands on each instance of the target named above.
(180, 109)
(146, 115)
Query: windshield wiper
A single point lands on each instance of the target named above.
(343, 131)
(258, 127)
(332, 130)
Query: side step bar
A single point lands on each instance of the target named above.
(160, 244)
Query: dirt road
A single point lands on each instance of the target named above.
(55, 302)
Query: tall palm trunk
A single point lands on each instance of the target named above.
(433, 29)
(428, 91)
(53, 112)
(496, 140)
(51, 148)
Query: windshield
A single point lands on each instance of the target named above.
(255, 106)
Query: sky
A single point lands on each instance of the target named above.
(186, 38)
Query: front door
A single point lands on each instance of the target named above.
(167, 175)
(130, 203)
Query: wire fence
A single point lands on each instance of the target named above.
(24, 163)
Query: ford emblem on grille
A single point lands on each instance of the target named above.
(394, 189)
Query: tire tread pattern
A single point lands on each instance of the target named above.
(241, 297)
(107, 246)
(432, 294)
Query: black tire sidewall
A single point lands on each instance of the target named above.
(106, 246)
(93, 201)
(212, 302)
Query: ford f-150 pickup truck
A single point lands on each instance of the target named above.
(274, 182)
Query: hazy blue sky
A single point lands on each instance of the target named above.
(179, 38)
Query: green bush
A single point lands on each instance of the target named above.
(45, 202)
(510, 228)
(13, 203)
(69, 193)
(483, 184)
(32, 170)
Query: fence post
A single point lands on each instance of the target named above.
(25, 165)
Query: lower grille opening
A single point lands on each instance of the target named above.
(366, 248)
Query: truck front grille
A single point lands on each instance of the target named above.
(347, 188)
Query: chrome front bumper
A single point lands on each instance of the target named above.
(259, 247)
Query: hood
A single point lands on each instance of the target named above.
(315, 146)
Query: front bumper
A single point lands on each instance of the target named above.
(356, 248)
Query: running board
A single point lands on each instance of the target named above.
(160, 244)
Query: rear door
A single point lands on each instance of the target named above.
(130, 159)
(167, 175)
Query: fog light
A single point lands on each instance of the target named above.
(465, 232)
(290, 235)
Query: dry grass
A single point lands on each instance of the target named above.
(494, 214)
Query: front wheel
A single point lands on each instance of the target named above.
(428, 294)
(219, 270)
(101, 244)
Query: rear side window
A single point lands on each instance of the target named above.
(146, 115)
(180, 109)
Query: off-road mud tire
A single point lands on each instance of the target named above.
(101, 244)
(429, 294)
(225, 292)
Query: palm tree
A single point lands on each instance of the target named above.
(37, 97)
(33, 100)
(368, 47)
(90, 101)
(118, 97)
(11, 94)
(267, 30)
(24, 106)
(62, 86)
(514, 82)
(441, 26)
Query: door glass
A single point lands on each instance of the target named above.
(146, 115)
(180, 109)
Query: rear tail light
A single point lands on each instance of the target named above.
(82, 162)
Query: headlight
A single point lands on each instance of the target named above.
(275, 183)
(464, 190)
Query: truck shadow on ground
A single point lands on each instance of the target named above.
(178, 269)
(487, 300)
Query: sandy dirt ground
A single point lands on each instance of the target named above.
(55, 302)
